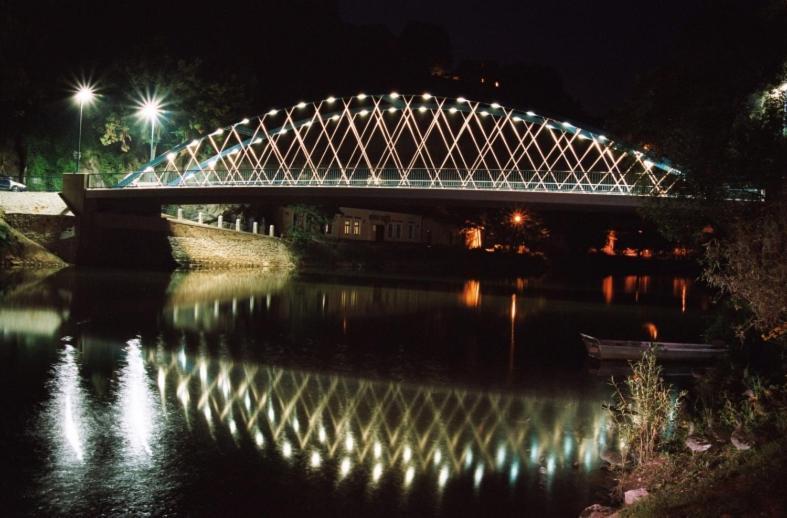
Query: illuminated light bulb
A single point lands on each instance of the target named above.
(301, 105)
(295, 424)
(348, 443)
(321, 434)
(378, 450)
(409, 475)
(516, 118)
(407, 454)
(363, 113)
(219, 131)
(394, 95)
(484, 113)
(461, 100)
(495, 106)
(361, 97)
(171, 156)
(272, 112)
(244, 121)
(271, 414)
(391, 109)
(335, 117)
(194, 142)
(469, 458)
(233, 427)
(438, 457)
(530, 114)
(377, 471)
(286, 449)
(258, 140)
(315, 460)
(259, 439)
(602, 137)
(345, 466)
(443, 476)
(568, 125)
(648, 164)
(330, 100)
(452, 109)
(422, 109)
(426, 96)
(283, 131)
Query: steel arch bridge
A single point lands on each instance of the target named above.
(408, 142)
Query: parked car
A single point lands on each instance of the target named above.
(7, 184)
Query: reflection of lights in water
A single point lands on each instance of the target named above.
(136, 404)
(325, 430)
(409, 475)
(203, 372)
(607, 288)
(588, 459)
(443, 476)
(514, 473)
(345, 466)
(67, 378)
(471, 294)
(183, 359)
(652, 330)
(162, 381)
(478, 475)
(315, 460)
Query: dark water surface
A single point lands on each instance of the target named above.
(258, 394)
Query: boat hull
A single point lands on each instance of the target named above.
(623, 350)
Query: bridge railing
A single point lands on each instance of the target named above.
(601, 182)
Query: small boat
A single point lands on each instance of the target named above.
(603, 349)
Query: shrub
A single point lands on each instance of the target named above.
(644, 409)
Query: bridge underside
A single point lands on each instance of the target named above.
(108, 199)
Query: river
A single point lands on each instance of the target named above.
(257, 393)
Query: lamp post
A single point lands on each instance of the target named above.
(150, 110)
(85, 94)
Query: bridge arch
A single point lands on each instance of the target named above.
(408, 141)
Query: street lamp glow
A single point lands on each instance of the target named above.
(452, 109)
(394, 95)
(530, 113)
(461, 100)
(426, 96)
(150, 110)
(361, 97)
(272, 112)
(301, 105)
(330, 100)
(85, 94)
(495, 105)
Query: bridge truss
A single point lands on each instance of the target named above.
(408, 141)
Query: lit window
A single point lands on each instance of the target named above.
(356, 228)
(346, 227)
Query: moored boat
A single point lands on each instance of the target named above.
(603, 349)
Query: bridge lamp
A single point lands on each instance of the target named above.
(516, 118)
(426, 96)
(568, 125)
(391, 109)
(452, 109)
(150, 110)
(301, 105)
(363, 113)
(218, 132)
(244, 121)
(84, 95)
(648, 164)
(530, 114)
(330, 100)
(422, 109)
(484, 113)
(335, 117)
(517, 218)
(272, 112)
(361, 96)
(495, 106)
(461, 100)
(394, 95)
(171, 157)
(193, 143)
(602, 138)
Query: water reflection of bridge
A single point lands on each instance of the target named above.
(381, 427)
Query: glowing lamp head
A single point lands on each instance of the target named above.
(85, 94)
(517, 218)
(426, 96)
(150, 109)
(495, 105)
(461, 100)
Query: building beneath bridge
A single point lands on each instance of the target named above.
(371, 225)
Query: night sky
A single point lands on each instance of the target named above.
(598, 46)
